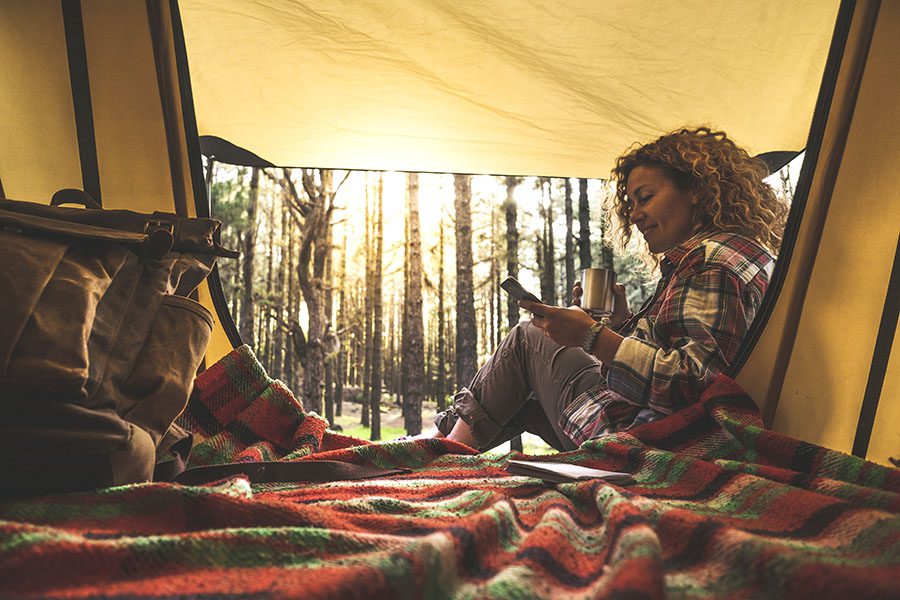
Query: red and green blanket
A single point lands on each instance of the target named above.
(721, 508)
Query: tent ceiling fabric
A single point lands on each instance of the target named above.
(499, 86)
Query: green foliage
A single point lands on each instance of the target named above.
(350, 426)
(638, 277)
(229, 198)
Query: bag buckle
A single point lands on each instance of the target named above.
(156, 224)
(160, 237)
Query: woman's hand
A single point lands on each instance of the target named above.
(621, 310)
(565, 326)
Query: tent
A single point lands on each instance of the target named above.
(126, 87)
(112, 96)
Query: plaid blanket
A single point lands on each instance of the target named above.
(721, 508)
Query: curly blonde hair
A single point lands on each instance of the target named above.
(726, 179)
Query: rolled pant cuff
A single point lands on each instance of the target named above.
(466, 407)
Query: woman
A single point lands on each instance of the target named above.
(704, 211)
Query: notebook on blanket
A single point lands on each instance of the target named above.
(558, 472)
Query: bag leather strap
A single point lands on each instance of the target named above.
(310, 471)
(74, 196)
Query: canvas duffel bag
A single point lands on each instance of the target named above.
(99, 341)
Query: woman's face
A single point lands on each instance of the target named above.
(662, 212)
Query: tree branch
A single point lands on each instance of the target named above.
(287, 184)
(338, 188)
(309, 185)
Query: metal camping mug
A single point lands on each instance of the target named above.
(597, 285)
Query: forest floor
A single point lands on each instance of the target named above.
(392, 425)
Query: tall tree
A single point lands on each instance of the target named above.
(414, 334)
(367, 313)
(442, 320)
(247, 262)
(466, 333)
(313, 248)
(289, 303)
(281, 299)
(330, 338)
(512, 246)
(493, 290)
(405, 313)
(430, 352)
(342, 331)
(394, 356)
(547, 255)
(378, 328)
(570, 246)
(359, 336)
(264, 341)
(584, 222)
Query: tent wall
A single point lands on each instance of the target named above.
(128, 116)
(814, 370)
(124, 115)
(499, 86)
(39, 152)
(134, 122)
(811, 368)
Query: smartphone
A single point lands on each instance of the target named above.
(515, 289)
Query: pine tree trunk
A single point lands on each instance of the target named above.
(395, 357)
(247, 262)
(414, 334)
(313, 251)
(329, 336)
(451, 351)
(584, 221)
(367, 315)
(359, 335)
(551, 248)
(429, 361)
(328, 391)
(570, 246)
(281, 299)
(343, 334)
(466, 333)
(512, 248)
(546, 257)
(378, 328)
(442, 332)
(289, 301)
(512, 261)
(359, 324)
(405, 312)
(493, 287)
(265, 341)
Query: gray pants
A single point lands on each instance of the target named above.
(525, 386)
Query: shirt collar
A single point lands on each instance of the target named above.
(674, 255)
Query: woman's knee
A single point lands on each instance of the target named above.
(537, 343)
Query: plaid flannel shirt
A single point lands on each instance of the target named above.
(686, 334)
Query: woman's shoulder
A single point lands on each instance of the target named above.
(737, 253)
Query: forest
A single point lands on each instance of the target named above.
(383, 287)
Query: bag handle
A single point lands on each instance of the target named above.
(74, 196)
